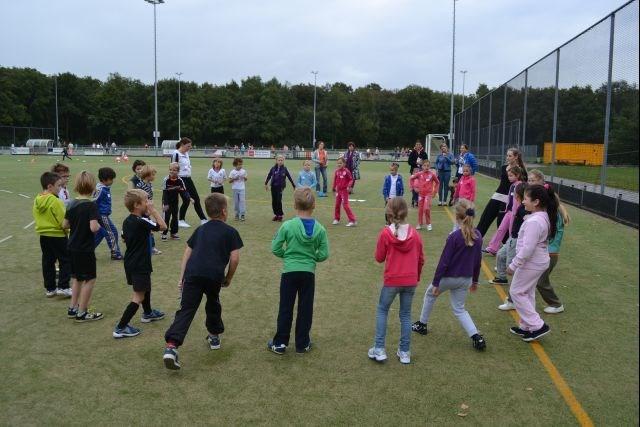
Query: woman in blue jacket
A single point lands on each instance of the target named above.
(443, 165)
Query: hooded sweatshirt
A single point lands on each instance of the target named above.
(299, 249)
(402, 255)
(48, 211)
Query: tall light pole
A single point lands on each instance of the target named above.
(156, 134)
(464, 75)
(179, 74)
(453, 64)
(55, 80)
(315, 80)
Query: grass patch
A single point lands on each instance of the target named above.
(58, 372)
(622, 177)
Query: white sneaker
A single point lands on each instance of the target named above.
(182, 223)
(335, 222)
(64, 292)
(506, 306)
(418, 227)
(352, 224)
(50, 294)
(155, 251)
(429, 227)
(554, 310)
(377, 354)
(203, 221)
(404, 356)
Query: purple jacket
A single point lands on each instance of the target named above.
(458, 259)
(278, 176)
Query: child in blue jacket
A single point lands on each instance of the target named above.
(108, 229)
(393, 185)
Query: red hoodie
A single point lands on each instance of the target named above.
(402, 255)
(342, 179)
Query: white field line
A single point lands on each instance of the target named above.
(24, 195)
(5, 239)
(7, 191)
(28, 225)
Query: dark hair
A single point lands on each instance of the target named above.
(59, 167)
(48, 178)
(237, 161)
(183, 141)
(519, 190)
(351, 144)
(547, 200)
(105, 174)
(214, 203)
(136, 163)
(466, 147)
(517, 171)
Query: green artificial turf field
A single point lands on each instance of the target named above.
(57, 372)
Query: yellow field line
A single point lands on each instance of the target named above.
(560, 383)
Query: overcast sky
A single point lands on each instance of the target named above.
(390, 42)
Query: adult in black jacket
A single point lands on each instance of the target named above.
(415, 154)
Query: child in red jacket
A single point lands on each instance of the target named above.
(400, 248)
(466, 188)
(428, 184)
(342, 184)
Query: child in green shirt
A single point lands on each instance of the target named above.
(301, 242)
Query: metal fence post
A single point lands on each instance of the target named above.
(607, 114)
(478, 138)
(524, 109)
(489, 126)
(504, 117)
(555, 119)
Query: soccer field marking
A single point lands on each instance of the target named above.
(7, 191)
(5, 239)
(560, 383)
(24, 195)
(28, 225)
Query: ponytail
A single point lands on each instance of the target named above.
(465, 213)
(549, 201)
(396, 212)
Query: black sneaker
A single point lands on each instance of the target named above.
(276, 348)
(499, 281)
(535, 335)
(72, 312)
(306, 349)
(517, 331)
(420, 328)
(478, 342)
(170, 358)
(88, 317)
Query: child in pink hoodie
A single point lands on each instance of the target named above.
(400, 248)
(532, 259)
(514, 173)
(427, 184)
(466, 187)
(342, 184)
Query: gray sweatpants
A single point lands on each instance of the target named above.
(504, 257)
(458, 288)
(238, 202)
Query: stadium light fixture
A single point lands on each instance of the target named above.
(156, 134)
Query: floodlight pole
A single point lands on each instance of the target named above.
(55, 80)
(315, 77)
(453, 63)
(155, 71)
(464, 75)
(179, 74)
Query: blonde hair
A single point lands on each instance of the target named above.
(147, 171)
(303, 199)
(537, 173)
(134, 197)
(84, 183)
(306, 162)
(396, 212)
(566, 218)
(465, 212)
(174, 165)
(279, 156)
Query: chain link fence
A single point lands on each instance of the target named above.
(574, 115)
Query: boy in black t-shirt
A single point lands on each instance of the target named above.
(137, 259)
(82, 218)
(212, 247)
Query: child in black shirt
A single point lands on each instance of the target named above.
(171, 187)
(137, 259)
(212, 247)
(82, 218)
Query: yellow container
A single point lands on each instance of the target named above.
(575, 153)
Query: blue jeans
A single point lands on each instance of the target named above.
(321, 170)
(387, 295)
(443, 190)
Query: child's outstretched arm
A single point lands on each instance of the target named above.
(286, 172)
(234, 260)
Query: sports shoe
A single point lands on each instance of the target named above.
(306, 349)
(170, 358)
(506, 306)
(242, 218)
(175, 237)
(50, 294)
(182, 223)
(404, 356)
(478, 342)
(214, 342)
(275, 218)
(335, 222)
(517, 331)
(152, 317)
(499, 281)
(277, 349)
(352, 223)
(155, 251)
(279, 219)
(554, 310)
(237, 217)
(117, 257)
(418, 227)
(163, 238)
(419, 327)
(203, 221)
(535, 335)
(377, 354)
(72, 312)
(64, 292)
(88, 317)
(126, 332)
(429, 227)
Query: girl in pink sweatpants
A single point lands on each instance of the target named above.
(532, 259)
(515, 177)
(427, 184)
(342, 183)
